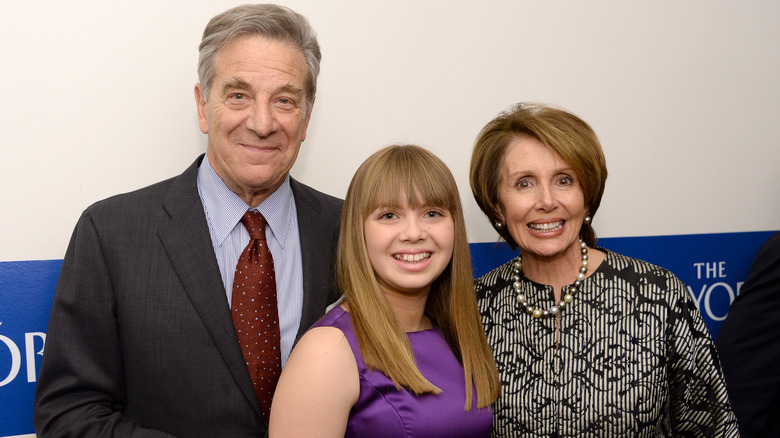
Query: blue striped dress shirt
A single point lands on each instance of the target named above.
(224, 210)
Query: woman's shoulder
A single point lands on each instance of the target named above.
(639, 272)
(500, 276)
(623, 262)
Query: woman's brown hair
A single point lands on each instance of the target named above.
(562, 131)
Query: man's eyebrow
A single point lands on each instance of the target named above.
(236, 83)
(290, 88)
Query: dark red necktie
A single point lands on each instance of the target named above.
(255, 314)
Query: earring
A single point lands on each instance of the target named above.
(498, 225)
(588, 219)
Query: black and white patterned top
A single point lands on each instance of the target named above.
(633, 358)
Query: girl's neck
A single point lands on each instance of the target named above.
(410, 311)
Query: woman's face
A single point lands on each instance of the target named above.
(409, 247)
(540, 199)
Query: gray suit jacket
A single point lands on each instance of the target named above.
(140, 339)
(749, 346)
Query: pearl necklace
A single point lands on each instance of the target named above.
(568, 292)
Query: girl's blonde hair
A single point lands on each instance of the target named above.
(423, 180)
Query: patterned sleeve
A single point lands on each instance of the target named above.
(697, 390)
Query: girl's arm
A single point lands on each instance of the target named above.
(317, 388)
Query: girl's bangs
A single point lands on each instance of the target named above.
(414, 183)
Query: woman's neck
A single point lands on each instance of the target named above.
(560, 270)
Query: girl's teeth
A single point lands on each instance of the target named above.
(414, 258)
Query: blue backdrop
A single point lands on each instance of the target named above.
(714, 266)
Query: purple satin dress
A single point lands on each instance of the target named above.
(382, 411)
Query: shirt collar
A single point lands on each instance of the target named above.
(224, 209)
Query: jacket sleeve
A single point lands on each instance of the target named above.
(749, 345)
(698, 400)
(80, 391)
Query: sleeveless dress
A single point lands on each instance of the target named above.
(382, 411)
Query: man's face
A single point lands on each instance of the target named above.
(255, 115)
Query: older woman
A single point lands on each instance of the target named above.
(587, 342)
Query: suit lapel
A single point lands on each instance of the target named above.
(187, 242)
(317, 243)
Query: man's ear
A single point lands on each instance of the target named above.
(200, 102)
(306, 120)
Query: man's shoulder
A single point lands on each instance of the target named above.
(313, 198)
(148, 197)
(153, 191)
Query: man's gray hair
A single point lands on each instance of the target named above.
(274, 22)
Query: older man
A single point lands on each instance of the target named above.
(178, 304)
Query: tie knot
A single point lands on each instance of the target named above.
(255, 224)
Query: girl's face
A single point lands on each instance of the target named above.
(409, 247)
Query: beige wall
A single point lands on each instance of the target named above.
(97, 100)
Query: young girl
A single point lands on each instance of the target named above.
(404, 354)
